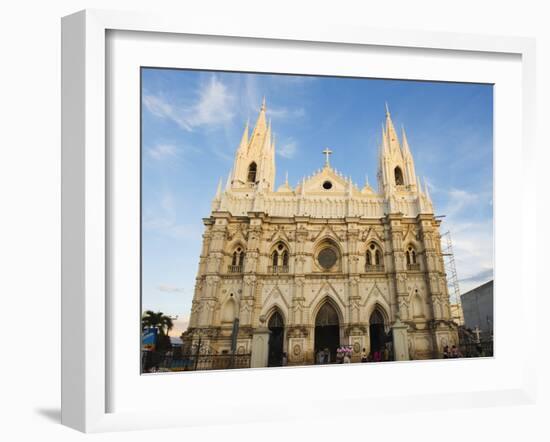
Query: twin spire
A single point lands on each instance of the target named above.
(254, 166)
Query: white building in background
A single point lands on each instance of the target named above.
(323, 264)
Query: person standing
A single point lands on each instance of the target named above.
(321, 357)
(364, 356)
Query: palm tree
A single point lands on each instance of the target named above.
(158, 320)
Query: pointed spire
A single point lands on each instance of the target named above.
(418, 185)
(405, 142)
(286, 178)
(228, 182)
(261, 123)
(367, 180)
(219, 190)
(244, 138)
(384, 147)
(391, 134)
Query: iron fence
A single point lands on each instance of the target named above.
(159, 362)
(476, 349)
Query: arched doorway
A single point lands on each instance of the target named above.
(276, 338)
(327, 332)
(377, 332)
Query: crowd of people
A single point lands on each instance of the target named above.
(381, 355)
(323, 356)
(453, 352)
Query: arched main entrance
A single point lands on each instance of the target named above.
(327, 332)
(377, 332)
(277, 327)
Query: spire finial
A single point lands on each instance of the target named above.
(286, 178)
(387, 110)
(263, 104)
(327, 152)
(367, 180)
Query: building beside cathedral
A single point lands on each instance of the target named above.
(323, 264)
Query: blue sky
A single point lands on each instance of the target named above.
(192, 122)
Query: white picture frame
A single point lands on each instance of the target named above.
(87, 202)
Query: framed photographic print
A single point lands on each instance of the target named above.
(248, 212)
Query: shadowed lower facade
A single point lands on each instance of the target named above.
(324, 264)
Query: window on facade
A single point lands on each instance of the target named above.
(285, 258)
(279, 258)
(237, 260)
(327, 258)
(252, 172)
(373, 258)
(410, 254)
(398, 176)
(377, 258)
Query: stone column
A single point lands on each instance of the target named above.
(260, 345)
(400, 342)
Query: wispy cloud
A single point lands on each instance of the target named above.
(459, 199)
(170, 288)
(472, 238)
(254, 93)
(473, 251)
(162, 151)
(287, 149)
(212, 106)
(163, 219)
(284, 112)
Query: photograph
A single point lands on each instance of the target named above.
(305, 220)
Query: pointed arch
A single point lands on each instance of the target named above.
(229, 310)
(252, 172)
(398, 175)
(275, 299)
(417, 306)
(279, 257)
(327, 291)
(411, 256)
(338, 308)
(374, 258)
(275, 306)
(237, 253)
(378, 308)
(275, 317)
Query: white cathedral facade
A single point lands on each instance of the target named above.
(297, 270)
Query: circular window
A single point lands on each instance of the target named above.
(327, 258)
(327, 185)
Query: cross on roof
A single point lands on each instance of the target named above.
(327, 152)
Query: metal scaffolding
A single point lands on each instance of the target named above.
(450, 269)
